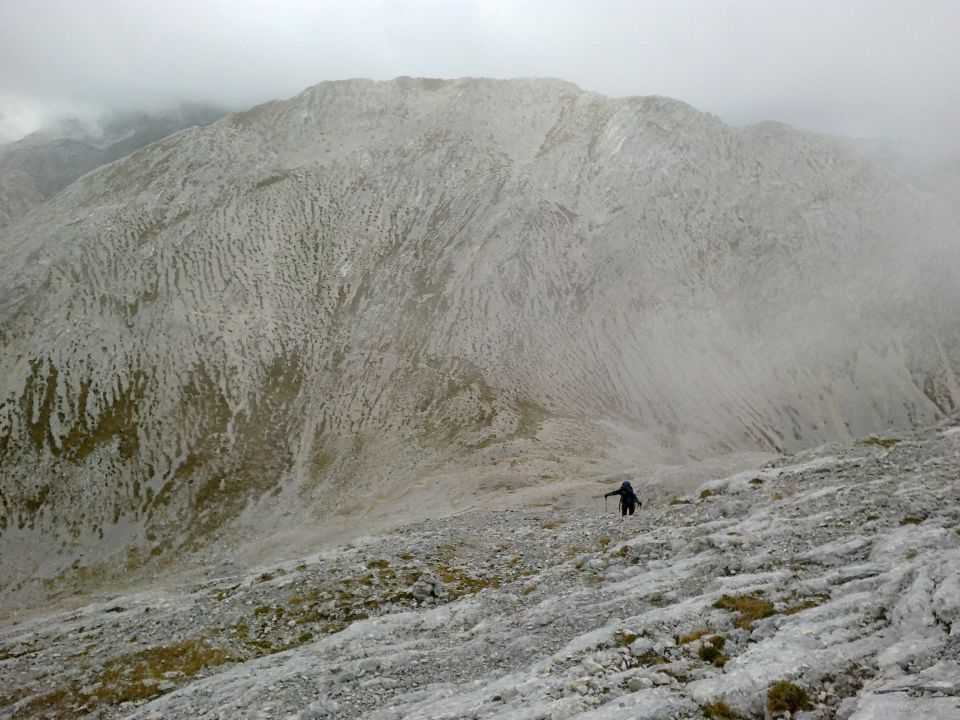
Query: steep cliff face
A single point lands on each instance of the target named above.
(372, 282)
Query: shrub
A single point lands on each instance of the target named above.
(712, 654)
(786, 697)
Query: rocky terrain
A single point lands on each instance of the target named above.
(822, 585)
(37, 167)
(19, 194)
(428, 292)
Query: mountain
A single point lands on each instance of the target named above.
(54, 157)
(935, 170)
(19, 194)
(423, 295)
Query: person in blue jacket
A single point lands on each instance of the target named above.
(629, 501)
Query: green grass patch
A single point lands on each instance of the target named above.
(650, 658)
(458, 583)
(885, 443)
(786, 697)
(692, 637)
(56, 703)
(712, 654)
(749, 607)
(719, 710)
(135, 677)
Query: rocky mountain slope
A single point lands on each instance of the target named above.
(19, 194)
(430, 293)
(53, 158)
(824, 584)
(935, 170)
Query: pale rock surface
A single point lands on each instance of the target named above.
(428, 296)
(339, 634)
(19, 194)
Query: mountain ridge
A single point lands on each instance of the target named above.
(55, 156)
(338, 295)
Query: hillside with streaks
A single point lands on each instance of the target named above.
(397, 291)
(40, 165)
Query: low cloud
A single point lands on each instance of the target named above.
(881, 69)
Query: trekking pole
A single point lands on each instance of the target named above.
(604, 504)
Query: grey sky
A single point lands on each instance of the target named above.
(854, 67)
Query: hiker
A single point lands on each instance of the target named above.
(628, 499)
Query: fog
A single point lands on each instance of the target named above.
(861, 68)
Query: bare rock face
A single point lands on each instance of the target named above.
(18, 196)
(58, 155)
(372, 282)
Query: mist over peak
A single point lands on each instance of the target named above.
(861, 69)
(38, 166)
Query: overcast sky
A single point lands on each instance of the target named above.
(864, 68)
